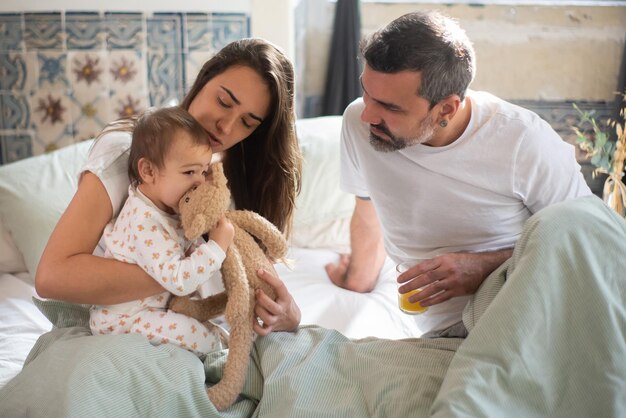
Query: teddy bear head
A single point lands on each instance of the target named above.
(202, 206)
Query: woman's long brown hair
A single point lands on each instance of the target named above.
(264, 170)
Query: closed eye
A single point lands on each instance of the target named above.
(223, 103)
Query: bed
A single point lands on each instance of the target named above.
(540, 344)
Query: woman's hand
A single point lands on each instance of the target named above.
(281, 314)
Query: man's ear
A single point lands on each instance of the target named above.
(147, 170)
(449, 106)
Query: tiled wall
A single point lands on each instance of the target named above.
(64, 75)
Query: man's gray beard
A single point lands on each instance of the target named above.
(395, 144)
(381, 145)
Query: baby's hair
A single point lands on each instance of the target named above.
(154, 133)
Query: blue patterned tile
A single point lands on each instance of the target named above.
(14, 111)
(127, 72)
(165, 78)
(11, 32)
(52, 69)
(165, 32)
(18, 71)
(228, 27)
(52, 114)
(198, 32)
(91, 116)
(15, 147)
(49, 108)
(125, 104)
(194, 61)
(124, 30)
(88, 70)
(84, 30)
(12, 72)
(43, 31)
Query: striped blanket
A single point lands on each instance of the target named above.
(547, 338)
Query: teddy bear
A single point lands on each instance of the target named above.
(256, 241)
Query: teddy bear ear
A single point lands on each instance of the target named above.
(218, 173)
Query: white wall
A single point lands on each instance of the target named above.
(524, 52)
(274, 20)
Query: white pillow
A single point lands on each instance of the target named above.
(34, 192)
(323, 210)
(11, 260)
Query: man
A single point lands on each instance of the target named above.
(451, 174)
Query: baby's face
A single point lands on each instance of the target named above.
(186, 165)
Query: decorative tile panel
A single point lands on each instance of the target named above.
(52, 69)
(194, 61)
(18, 71)
(14, 111)
(127, 71)
(84, 30)
(91, 115)
(65, 75)
(228, 27)
(12, 71)
(15, 147)
(88, 70)
(165, 32)
(43, 31)
(165, 78)
(124, 30)
(51, 120)
(10, 32)
(198, 32)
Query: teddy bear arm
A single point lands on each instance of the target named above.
(263, 230)
(203, 309)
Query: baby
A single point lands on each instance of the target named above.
(169, 154)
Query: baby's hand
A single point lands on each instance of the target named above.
(223, 233)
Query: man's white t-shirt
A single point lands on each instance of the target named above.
(472, 195)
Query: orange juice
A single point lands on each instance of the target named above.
(408, 307)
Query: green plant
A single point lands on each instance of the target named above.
(606, 155)
(595, 143)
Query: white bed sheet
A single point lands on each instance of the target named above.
(355, 315)
(21, 324)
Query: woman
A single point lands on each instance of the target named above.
(244, 98)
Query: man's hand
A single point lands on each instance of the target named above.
(359, 270)
(446, 276)
(338, 273)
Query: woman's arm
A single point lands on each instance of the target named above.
(68, 270)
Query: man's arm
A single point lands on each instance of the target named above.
(450, 275)
(359, 271)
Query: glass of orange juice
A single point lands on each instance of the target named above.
(411, 308)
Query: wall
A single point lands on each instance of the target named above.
(543, 57)
(524, 53)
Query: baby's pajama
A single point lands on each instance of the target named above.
(144, 235)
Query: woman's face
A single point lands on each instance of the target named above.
(231, 106)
